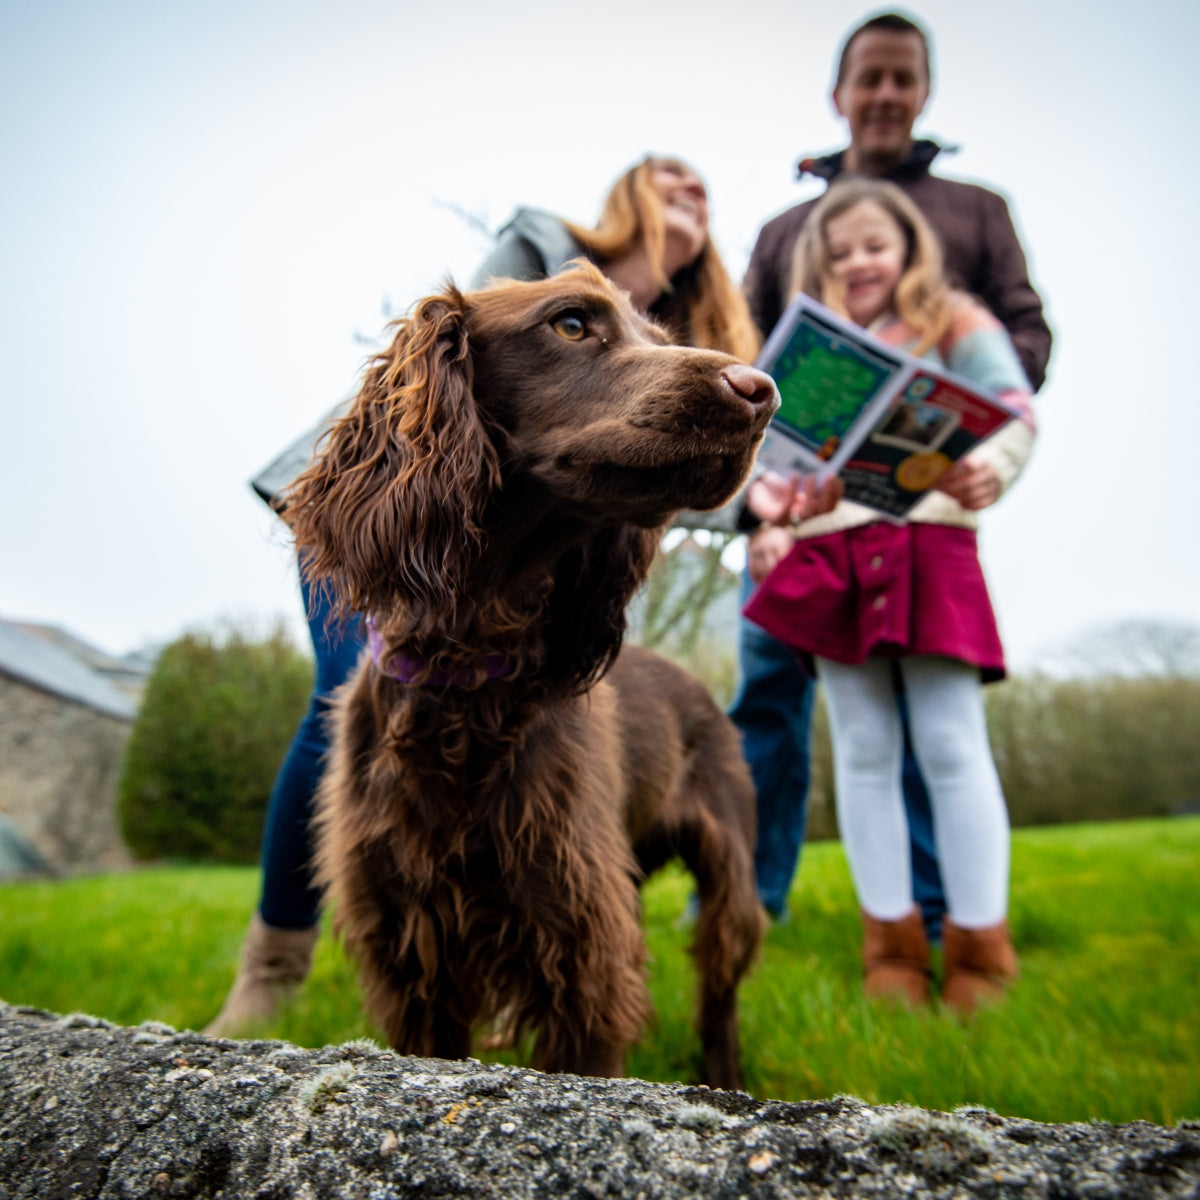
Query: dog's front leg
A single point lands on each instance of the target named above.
(595, 1056)
(413, 996)
(565, 1043)
(427, 1030)
(599, 1000)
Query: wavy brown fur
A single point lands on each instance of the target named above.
(498, 489)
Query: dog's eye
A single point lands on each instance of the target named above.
(571, 326)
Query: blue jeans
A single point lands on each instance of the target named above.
(773, 711)
(926, 874)
(289, 899)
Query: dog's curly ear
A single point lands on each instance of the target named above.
(389, 513)
(593, 584)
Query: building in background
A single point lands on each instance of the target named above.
(66, 711)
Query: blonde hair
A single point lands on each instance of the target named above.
(699, 304)
(923, 299)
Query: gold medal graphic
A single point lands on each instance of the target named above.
(919, 472)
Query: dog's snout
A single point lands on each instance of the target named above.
(755, 387)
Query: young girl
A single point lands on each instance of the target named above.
(863, 597)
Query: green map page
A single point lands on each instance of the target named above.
(822, 387)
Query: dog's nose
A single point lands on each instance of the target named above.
(755, 387)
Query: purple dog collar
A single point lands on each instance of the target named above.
(414, 668)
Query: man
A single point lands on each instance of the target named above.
(882, 84)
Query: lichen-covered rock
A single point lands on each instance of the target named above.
(93, 1110)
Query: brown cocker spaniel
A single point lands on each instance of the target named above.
(503, 774)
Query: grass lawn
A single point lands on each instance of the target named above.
(1105, 1022)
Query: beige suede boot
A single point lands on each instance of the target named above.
(274, 964)
(978, 965)
(896, 959)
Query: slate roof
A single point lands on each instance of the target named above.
(129, 672)
(51, 668)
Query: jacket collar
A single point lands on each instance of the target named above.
(920, 159)
(547, 234)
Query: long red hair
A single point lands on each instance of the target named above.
(699, 304)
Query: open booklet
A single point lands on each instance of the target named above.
(888, 423)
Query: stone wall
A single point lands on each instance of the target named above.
(59, 766)
(93, 1111)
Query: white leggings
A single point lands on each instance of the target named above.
(950, 742)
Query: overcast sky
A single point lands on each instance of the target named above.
(206, 207)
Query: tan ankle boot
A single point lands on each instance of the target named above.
(896, 959)
(978, 965)
(274, 963)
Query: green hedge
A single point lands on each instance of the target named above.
(1101, 749)
(220, 709)
(218, 713)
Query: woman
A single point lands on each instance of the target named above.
(652, 240)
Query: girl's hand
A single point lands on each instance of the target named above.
(770, 497)
(788, 501)
(765, 548)
(973, 482)
(820, 498)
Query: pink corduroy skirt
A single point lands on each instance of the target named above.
(882, 591)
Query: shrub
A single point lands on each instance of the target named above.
(218, 713)
(1104, 749)
(1101, 749)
